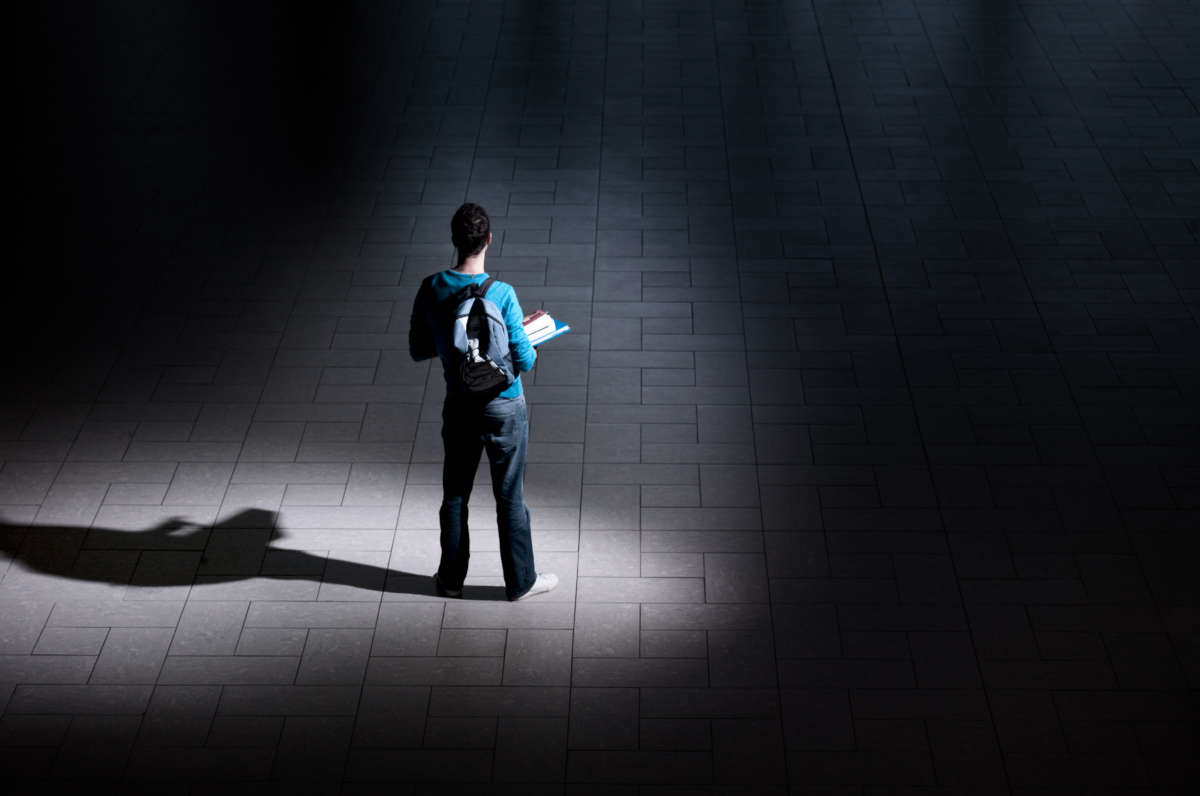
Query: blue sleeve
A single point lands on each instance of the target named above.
(420, 335)
(522, 352)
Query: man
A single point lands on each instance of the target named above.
(469, 427)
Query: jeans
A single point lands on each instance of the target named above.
(501, 427)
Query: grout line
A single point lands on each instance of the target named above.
(912, 404)
(430, 371)
(586, 401)
(789, 776)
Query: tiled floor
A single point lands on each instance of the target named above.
(871, 463)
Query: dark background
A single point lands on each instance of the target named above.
(155, 131)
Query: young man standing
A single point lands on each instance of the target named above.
(469, 427)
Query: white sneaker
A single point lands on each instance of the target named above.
(544, 583)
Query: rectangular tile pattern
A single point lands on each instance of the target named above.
(870, 462)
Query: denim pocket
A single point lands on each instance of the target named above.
(503, 407)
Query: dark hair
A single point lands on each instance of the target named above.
(469, 230)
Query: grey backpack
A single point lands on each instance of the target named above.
(483, 360)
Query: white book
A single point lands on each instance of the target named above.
(541, 326)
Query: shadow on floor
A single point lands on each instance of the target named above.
(237, 548)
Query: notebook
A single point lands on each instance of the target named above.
(540, 326)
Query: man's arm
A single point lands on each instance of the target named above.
(523, 354)
(420, 334)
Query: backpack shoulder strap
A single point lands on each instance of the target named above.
(482, 288)
(472, 290)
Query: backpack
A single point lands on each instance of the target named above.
(482, 360)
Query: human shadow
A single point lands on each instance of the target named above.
(180, 553)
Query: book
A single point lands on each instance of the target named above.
(559, 328)
(538, 323)
(540, 326)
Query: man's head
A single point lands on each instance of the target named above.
(470, 230)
